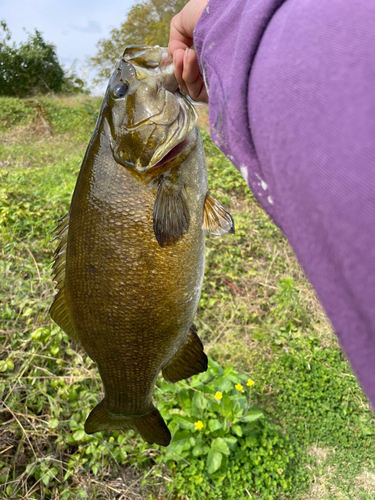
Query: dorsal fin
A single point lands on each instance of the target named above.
(216, 220)
(58, 311)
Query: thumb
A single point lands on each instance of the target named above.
(183, 25)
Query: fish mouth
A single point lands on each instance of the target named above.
(179, 137)
(186, 143)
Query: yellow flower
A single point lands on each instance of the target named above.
(198, 425)
(239, 387)
(218, 395)
(250, 382)
(111, 438)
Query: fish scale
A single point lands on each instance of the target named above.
(131, 257)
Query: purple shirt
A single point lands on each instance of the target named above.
(292, 104)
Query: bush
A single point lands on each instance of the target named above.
(32, 68)
(223, 447)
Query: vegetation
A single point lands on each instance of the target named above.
(147, 23)
(279, 415)
(32, 68)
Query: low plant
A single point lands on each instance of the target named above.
(257, 313)
(223, 446)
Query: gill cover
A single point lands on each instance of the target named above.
(147, 115)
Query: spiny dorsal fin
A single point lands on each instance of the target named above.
(216, 220)
(171, 213)
(58, 311)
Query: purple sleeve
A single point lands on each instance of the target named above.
(292, 104)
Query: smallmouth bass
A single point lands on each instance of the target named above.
(129, 265)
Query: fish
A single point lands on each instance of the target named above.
(130, 260)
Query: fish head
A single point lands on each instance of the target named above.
(150, 120)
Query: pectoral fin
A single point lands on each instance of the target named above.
(171, 214)
(188, 361)
(216, 220)
(150, 426)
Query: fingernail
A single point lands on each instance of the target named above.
(186, 55)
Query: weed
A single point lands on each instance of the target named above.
(257, 315)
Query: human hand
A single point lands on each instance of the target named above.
(185, 59)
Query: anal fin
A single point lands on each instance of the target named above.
(188, 361)
(150, 426)
(216, 220)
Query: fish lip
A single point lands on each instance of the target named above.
(172, 153)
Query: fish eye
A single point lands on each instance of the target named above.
(120, 89)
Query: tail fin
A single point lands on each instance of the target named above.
(150, 426)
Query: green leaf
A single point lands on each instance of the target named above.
(27, 312)
(37, 333)
(181, 436)
(252, 415)
(183, 422)
(231, 440)
(220, 445)
(10, 364)
(214, 425)
(181, 442)
(200, 450)
(214, 459)
(53, 423)
(237, 430)
(171, 457)
(46, 479)
(67, 476)
(54, 349)
(195, 382)
(121, 438)
(199, 401)
(82, 493)
(223, 384)
(79, 435)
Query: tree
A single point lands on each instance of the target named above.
(146, 23)
(32, 67)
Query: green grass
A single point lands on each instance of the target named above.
(257, 314)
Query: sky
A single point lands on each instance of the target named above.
(73, 26)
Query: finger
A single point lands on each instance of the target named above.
(183, 24)
(190, 67)
(192, 78)
(179, 36)
(178, 63)
(200, 94)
